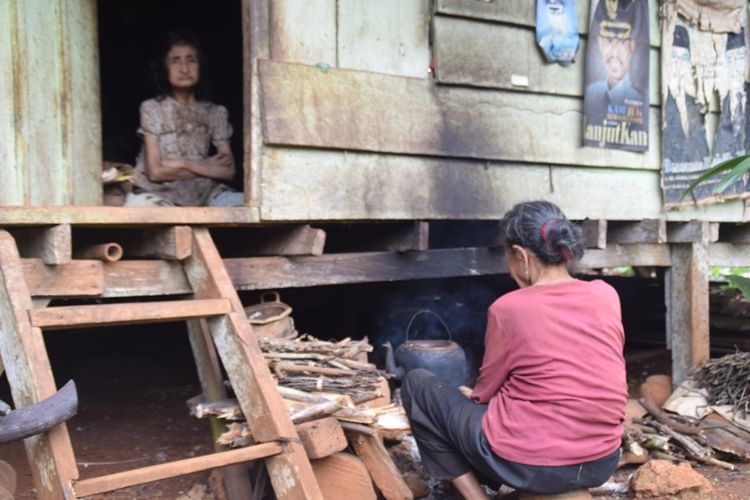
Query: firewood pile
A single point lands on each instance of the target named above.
(704, 420)
(337, 401)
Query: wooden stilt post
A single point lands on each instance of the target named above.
(687, 307)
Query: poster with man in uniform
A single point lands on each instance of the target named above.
(616, 108)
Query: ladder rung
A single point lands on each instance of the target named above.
(101, 484)
(120, 314)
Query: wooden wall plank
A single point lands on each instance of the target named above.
(82, 139)
(494, 55)
(302, 184)
(638, 254)
(303, 31)
(39, 130)
(387, 36)
(127, 278)
(523, 12)
(729, 254)
(77, 278)
(11, 189)
(127, 216)
(643, 231)
(355, 110)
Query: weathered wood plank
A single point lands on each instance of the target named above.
(30, 377)
(342, 109)
(644, 231)
(594, 233)
(303, 31)
(322, 437)
(290, 472)
(495, 56)
(12, 187)
(77, 278)
(279, 240)
(256, 25)
(687, 307)
(343, 476)
(126, 216)
(523, 12)
(379, 463)
(729, 254)
(262, 273)
(171, 243)
(88, 487)
(82, 139)
(692, 232)
(66, 317)
(387, 36)
(132, 278)
(644, 254)
(303, 184)
(53, 244)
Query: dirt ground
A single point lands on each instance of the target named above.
(133, 414)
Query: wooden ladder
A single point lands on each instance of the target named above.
(216, 307)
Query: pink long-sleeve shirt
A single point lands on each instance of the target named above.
(553, 374)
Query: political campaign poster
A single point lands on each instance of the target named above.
(557, 30)
(616, 109)
(704, 92)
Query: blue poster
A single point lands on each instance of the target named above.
(557, 30)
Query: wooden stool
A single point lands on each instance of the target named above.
(582, 494)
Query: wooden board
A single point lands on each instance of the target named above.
(303, 31)
(343, 476)
(66, 317)
(263, 273)
(379, 463)
(171, 243)
(321, 437)
(523, 12)
(289, 239)
(126, 216)
(128, 278)
(644, 254)
(491, 55)
(51, 244)
(643, 231)
(354, 110)
(78, 278)
(386, 36)
(306, 184)
(12, 187)
(729, 254)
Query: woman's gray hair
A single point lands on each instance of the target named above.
(542, 227)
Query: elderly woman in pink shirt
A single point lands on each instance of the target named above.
(546, 413)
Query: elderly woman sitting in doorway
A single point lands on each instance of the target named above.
(178, 128)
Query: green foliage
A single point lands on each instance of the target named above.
(740, 282)
(734, 169)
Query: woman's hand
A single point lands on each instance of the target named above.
(219, 166)
(466, 391)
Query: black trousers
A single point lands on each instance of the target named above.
(448, 429)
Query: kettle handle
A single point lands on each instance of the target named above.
(265, 295)
(427, 311)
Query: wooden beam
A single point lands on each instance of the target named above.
(88, 487)
(53, 244)
(30, 377)
(321, 437)
(66, 317)
(383, 471)
(692, 232)
(127, 216)
(594, 233)
(729, 254)
(133, 278)
(171, 243)
(263, 273)
(644, 231)
(734, 233)
(687, 303)
(77, 278)
(344, 476)
(271, 240)
(645, 254)
(357, 110)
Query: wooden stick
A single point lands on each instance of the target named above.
(333, 372)
(317, 411)
(301, 396)
(665, 419)
(361, 429)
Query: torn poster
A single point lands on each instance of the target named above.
(616, 108)
(557, 30)
(703, 67)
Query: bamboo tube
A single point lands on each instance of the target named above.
(107, 252)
